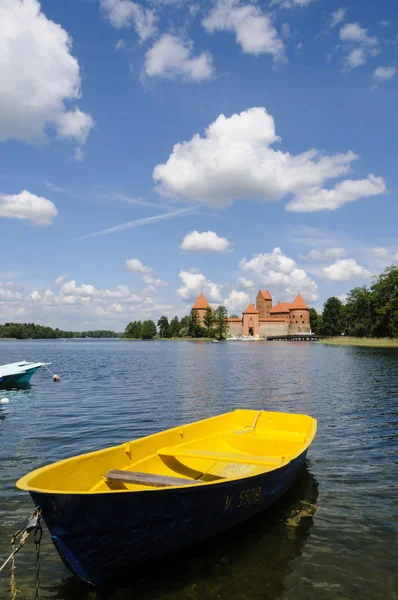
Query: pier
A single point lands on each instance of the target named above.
(298, 337)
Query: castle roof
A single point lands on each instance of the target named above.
(265, 294)
(299, 303)
(281, 307)
(252, 310)
(201, 302)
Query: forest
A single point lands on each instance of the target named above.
(31, 331)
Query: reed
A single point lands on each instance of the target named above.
(365, 342)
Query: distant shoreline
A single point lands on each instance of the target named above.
(365, 342)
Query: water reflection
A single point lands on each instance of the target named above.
(249, 561)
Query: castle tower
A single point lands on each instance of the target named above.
(251, 321)
(200, 307)
(264, 304)
(299, 315)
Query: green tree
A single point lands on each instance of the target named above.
(220, 322)
(385, 298)
(314, 321)
(332, 317)
(234, 316)
(359, 313)
(194, 325)
(185, 325)
(174, 328)
(208, 319)
(148, 331)
(133, 330)
(164, 327)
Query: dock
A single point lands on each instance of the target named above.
(298, 337)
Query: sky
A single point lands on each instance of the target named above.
(153, 150)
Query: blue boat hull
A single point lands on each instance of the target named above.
(98, 536)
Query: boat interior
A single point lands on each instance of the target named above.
(238, 444)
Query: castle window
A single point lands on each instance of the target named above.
(296, 321)
(301, 316)
(302, 322)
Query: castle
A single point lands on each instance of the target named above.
(264, 319)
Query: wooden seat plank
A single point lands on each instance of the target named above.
(149, 479)
(246, 459)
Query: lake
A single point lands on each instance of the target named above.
(334, 535)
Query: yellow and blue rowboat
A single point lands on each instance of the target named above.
(117, 508)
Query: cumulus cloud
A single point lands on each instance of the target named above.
(207, 241)
(316, 198)
(234, 160)
(147, 273)
(338, 16)
(172, 57)
(236, 301)
(194, 283)
(124, 13)
(357, 44)
(345, 269)
(253, 28)
(385, 255)
(292, 3)
(280, 272)
(39, 73)
(27, 206)
(384, 73)
(326, 254)
(245, 283)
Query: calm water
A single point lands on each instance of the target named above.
(343, 544)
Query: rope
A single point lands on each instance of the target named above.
(49, 370)
(249, 428)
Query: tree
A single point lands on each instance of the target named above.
(208, 319)
(385, 298)
(234, 316)
(359, 312)
(194, 325)
(220, 322)
(148, 331)
(332, 317)
(133, 330)
(314, 321)
(185, 325)
(164, 327)
(174, 329)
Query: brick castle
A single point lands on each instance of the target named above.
(264, 319)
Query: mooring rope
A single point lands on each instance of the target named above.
(249, 428)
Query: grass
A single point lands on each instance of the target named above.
(364, 342)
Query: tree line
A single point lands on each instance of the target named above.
(215, 325)
(368, 311)
(31, 331)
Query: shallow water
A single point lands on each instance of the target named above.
(334, 535)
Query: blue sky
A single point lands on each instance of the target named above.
(152, 150)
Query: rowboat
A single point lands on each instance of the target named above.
(117, 508)
(19, 372)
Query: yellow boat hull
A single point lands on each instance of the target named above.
(119, 507)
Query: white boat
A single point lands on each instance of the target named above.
(19, 372)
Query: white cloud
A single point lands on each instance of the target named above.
(172, 57)
(236, 301)
(245, 283)
(253, 28)
(342, 298)
(345, 269)
(384, 73)
(208, 241)
(338, 16)
(136, 266)
(38, 72)
(385, 255)
(234, 161)
(27, 206)
(381, 252)
(385, 23)
(357, 44)
(280, 272)
(194, 283)
(292, 3)
(124, 13)
(316, 199)
(75, 124)
(326, 254)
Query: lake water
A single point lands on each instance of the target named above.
(333, 536)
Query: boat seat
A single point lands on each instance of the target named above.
(246, 459)
(149, 479)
